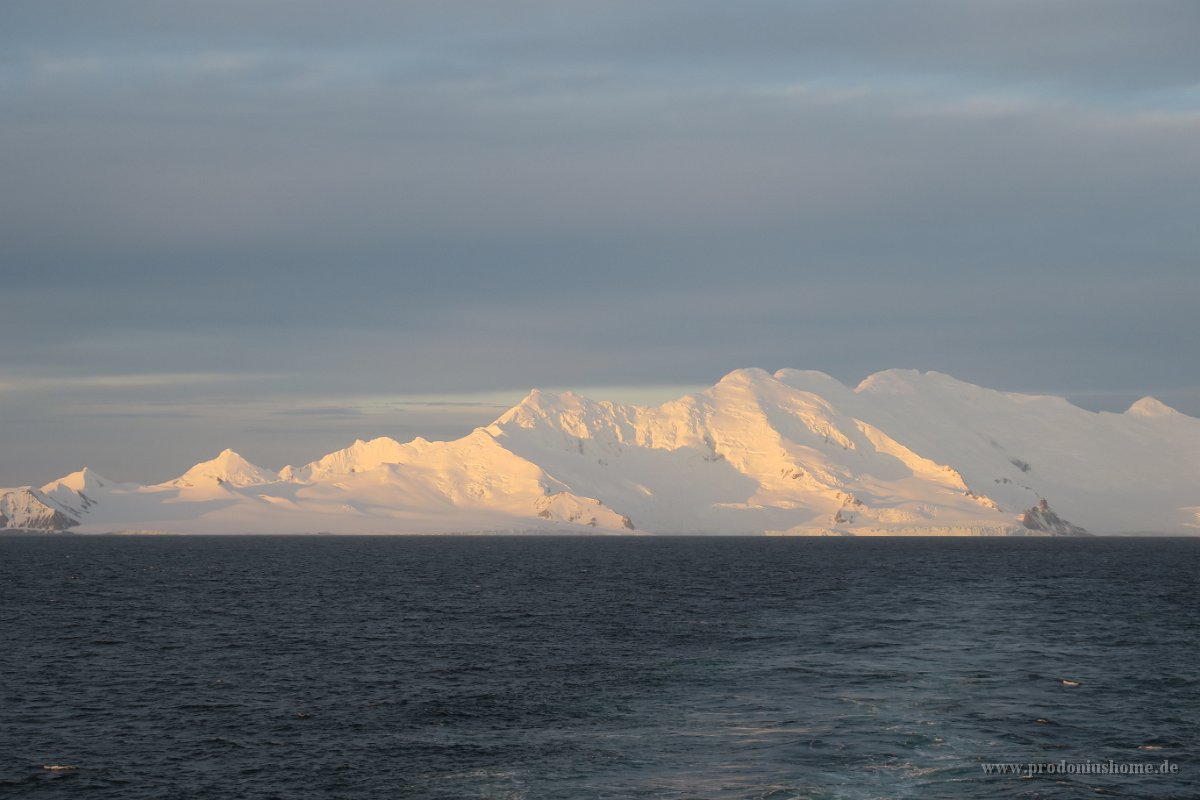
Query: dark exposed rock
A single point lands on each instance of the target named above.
(1041, 518)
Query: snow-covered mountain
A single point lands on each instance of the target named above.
(796, 452)
(227, 469)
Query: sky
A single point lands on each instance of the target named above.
(281, 226)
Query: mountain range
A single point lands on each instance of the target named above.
(794, 452)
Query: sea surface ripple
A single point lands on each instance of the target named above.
(628, 667)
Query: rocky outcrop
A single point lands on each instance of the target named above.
(1041, 518)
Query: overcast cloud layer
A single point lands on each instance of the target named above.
(279, 226)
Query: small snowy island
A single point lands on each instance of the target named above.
(789, 453)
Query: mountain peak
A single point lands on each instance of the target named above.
(906, 453)
(1150, 407)
(745, 377)
(889, 381)
(84, 480)
(907, 381)
(229, 457)
(538, 404)
(358, 457)
(813, 376)
(227, 468)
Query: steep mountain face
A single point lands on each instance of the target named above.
(58, 506)
(748, 455)
(31, 510)
(795, 452)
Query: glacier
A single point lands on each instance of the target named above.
(790, 453)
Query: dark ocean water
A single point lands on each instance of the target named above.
(557, 668)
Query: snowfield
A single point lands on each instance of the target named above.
(793, 453)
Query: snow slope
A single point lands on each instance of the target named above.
(795, 452)
(227, 469)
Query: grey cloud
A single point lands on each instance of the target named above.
(1103, 44)
(792, 174)
(420, 198)
(103, 415)
(319, 411)
(445, 404)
